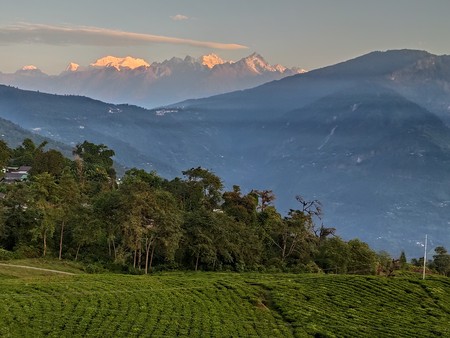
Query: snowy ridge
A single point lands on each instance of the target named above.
(119, 63)
(72, 67)
(211, 60)
(29, 67)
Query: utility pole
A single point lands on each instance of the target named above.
(425, 257)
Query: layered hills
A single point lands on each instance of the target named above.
(368, 137)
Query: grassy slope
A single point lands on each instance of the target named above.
(221, 305)
(51, 264)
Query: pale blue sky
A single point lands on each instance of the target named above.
(308, 34)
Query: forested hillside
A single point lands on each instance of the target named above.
(79, 210)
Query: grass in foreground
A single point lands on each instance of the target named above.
(223, 305)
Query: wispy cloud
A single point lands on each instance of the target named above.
(67, 35)
(179, 17)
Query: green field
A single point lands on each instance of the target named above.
(37, 304)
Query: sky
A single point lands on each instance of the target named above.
(305, 33)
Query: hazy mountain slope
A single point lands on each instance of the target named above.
(357, 136)
(378, 161)
(371, 145)
(14, 135)
(73, 119)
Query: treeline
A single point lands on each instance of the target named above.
(77, 209)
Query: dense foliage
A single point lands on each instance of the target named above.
(78, 209)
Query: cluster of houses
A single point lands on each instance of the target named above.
(15, 174)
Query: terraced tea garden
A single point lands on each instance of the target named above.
(222, 305)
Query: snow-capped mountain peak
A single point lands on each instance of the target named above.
(30, 70)
(72, 67)
(29, 67)
(120, 63)
(211, 60)
(280, 68)
(258, 64)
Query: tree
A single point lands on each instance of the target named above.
(151, 219)
(45, 200)
(295, 235)
(26, 153)
(333, 255)
(86, 228)
(151, 179)
(69, 198)
(441, 261)
(205, 188)
(5, 154)
(242, 208)
(51, 161)
(213, 239)
(291, 237)
(384, 261)
(198, 237)
(17, 217)
(361, 260)
(94, 166)
(265, 198)
(165, 228)
(108, 208)
(403, 261)
(270, 222)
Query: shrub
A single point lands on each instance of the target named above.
(6, 255)
(94, 268)
(27, 251)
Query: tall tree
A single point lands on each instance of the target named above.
(46, 201)
(26, 153)
(402, 259)
(441, 261)
(333, 256)
(265, 198)
(69, 199)
(94, 166)
(5, 154)
(151, 220)
(362, 259)
(108, 208)
(51, 161)
(86, 229)
(198, 237)
(205, 188)
(17, 217)
(242, 208)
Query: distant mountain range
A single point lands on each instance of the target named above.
(135, 81)
(368, 137)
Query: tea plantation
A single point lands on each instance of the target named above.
(221, 305)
